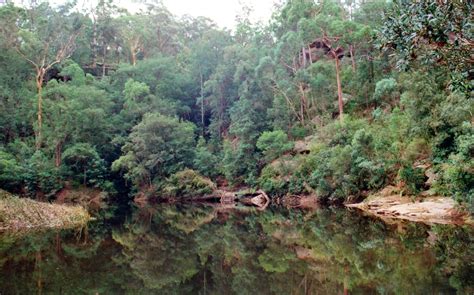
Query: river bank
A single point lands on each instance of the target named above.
(26, 214)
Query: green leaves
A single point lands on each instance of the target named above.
(135, 91)
(11, 171)
(84, 164)
(157, 147)
(274, 144)
(435, 34)
(204, 160)
(386, 91)
(187, 184)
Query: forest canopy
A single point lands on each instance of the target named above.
(376, 92)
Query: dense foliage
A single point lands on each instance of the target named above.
(122, 102)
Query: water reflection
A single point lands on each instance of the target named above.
(217, 250)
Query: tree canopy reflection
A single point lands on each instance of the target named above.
(212, 250)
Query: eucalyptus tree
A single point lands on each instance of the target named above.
(311, 33)
(206, 52)
(75, 111)
(104, 34)
(221, 92)
(165, 32)
(44, 37)
(16, 96)
(133, 31)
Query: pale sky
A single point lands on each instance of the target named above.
(223, 12)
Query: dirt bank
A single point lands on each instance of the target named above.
(24, 214)
(430, 210)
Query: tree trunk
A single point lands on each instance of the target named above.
(202, 106)
(104, 52)
(58, 244)
(222, 107)
(205, 282)
(94, 43)
(339, 91)
(58, 154)
(133, 56)
(371, 79)
(303, 102)
(304, 57)
(351, 50)
(346, 280)
(39, 86)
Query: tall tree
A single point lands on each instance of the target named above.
(104, 34)
(134, 32)
(44, 37)
(75, 112)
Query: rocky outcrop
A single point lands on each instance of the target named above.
(429, 210)
(258, 199)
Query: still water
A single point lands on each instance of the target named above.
(212, 250)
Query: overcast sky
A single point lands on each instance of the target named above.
(223, 12)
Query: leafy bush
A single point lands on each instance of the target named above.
(338, 133)
(205, 161)
(41, 176)
(386, 91)
(187, 184)
(298, 132)
(333, 171)
(458, 173)
(413, 178)
(273, 144)
(239, 161)
(274, 178)
(157, 147)
(11, 171)
(84, 165)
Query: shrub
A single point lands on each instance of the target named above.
(272, 182)
(187, 184)
(205, 161)
(458, 173)
(83, 164)
(273, 144)
(239, 161)
(156, 148)
(386, 91)
(414, 178)
(11, 172)
(41, 176)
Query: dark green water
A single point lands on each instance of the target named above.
(204, 250)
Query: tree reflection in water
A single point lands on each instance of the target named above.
(215, 250)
